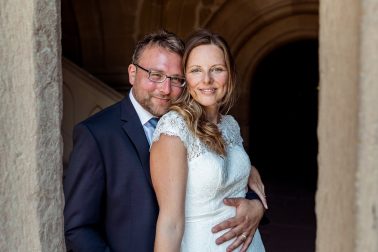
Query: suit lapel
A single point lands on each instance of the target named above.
(134, 130)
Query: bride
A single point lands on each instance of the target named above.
(197, 157)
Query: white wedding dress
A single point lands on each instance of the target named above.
(211, 178)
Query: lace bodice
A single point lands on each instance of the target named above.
(211, 178)
(173, 124)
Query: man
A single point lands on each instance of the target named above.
(110, 202)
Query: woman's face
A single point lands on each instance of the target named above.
(207, 76)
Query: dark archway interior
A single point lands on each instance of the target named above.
(283, 142)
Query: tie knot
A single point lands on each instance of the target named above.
(153, 121)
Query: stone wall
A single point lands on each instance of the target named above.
(367, 173)
(31, 196)
(346, 203)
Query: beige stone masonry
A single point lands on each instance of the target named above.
(347, 197)
(367, 173)
(31, 196)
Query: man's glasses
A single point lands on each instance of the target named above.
(160, 77)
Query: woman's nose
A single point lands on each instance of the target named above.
(207, 78)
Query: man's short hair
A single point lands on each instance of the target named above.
(161, 38)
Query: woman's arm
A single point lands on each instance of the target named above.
(169, 171)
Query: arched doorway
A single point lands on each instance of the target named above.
(283, 141)
(257, 29)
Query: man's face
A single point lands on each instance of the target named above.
(155, 97)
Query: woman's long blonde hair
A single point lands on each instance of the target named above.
(193, 113)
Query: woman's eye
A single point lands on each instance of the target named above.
(195, 70)
(217, 69)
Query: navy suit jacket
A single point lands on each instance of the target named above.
(110, 202)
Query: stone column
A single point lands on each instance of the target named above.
(367, 169)
(346, 201)
(31, 198)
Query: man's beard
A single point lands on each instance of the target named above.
(154, 109)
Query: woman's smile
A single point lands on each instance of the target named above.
(209, 91)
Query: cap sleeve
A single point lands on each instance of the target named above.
(172, 124)
(231, 131)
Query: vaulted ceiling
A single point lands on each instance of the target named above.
(99, 35)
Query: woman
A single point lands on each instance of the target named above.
(197, 157)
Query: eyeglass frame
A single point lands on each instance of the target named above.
(149, 71)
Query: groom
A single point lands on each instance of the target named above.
(110, 202)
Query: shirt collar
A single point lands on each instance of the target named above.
(144, 115)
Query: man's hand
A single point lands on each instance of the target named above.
(243, 226)
(256, 184)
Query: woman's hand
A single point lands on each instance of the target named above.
(256, 184)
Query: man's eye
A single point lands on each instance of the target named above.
(156, 75)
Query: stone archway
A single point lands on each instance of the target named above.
(30, 111)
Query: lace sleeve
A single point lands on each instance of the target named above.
(172, 124)
(231, 131)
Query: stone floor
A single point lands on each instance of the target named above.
(292, 226)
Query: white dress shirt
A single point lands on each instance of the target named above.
(144, 117)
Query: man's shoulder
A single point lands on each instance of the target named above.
(106, 116)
